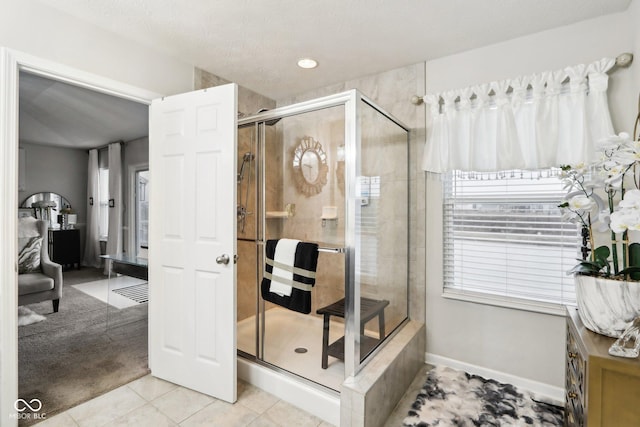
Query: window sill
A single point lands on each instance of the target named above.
(513, 303)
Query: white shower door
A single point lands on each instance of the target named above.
(192, 240)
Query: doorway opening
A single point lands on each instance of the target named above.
(58, 123)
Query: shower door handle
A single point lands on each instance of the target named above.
(223, 259)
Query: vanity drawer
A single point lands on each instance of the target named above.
(600, 390)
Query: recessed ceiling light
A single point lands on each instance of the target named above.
(307, 63)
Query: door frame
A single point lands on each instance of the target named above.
(11, 63)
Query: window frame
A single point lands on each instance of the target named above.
(132, 239)
(487, 298)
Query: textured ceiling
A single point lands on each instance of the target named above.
(58, 114)
(257, 43)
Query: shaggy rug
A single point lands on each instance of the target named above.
(455, 398)
(28, 317)
(72, 357)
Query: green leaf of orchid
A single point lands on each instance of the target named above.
(631, 271)
(585, 267)
(602, 253)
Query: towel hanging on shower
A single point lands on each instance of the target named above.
(289, 283)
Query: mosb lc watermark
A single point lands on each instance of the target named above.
(28, 410)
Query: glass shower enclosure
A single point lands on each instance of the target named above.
(333, 171)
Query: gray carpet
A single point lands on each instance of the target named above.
(71, 357)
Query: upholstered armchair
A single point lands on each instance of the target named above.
(39, 279)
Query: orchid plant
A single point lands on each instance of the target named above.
(616, 176)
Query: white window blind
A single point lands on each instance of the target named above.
(504, 238)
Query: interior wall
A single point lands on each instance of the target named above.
(59, 170)
(633, 15)
(31, 27)
(519, 343)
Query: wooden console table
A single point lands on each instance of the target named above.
(64, 247)
(369, 308)
(601, 390)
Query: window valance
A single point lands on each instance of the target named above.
(529, 122)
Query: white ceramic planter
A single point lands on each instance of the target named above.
(607, 306)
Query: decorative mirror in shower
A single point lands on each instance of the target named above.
(310, 166)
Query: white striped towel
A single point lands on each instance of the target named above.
(281, 279)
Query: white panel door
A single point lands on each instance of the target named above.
(192, 232)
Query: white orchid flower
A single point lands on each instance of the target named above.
(615, 176)
(631, 200)
(581, 202)
(625, 157)
(614, 141)
(625, 220)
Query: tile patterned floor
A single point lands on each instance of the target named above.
(151, 402)
(156, 403)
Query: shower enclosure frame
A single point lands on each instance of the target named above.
(353, 101)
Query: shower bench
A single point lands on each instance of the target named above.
(369, 308)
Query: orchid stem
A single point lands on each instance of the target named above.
(614, 245)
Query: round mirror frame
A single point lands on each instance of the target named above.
(45, 196)
(310, 168)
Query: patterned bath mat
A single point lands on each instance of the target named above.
(455, 398)
(138, 293)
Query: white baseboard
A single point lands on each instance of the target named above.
(542, 391)
(323, 405)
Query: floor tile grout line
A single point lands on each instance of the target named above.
(187, 417)
(215, 401)
(157, 397)
(260, 413)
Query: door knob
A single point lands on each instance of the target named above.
(223, 259)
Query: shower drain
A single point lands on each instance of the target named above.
(300, 350)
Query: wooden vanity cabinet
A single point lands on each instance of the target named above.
(600, 389)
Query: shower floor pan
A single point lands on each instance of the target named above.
(287, 335)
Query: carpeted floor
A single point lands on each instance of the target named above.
(71, 357)
(455, 398)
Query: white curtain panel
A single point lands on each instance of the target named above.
(114, 236)
(530, 122)
(91, 257)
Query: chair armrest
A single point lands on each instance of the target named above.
(53, 270)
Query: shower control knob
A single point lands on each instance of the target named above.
(223, 259)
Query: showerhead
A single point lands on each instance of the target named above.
(246, 158)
